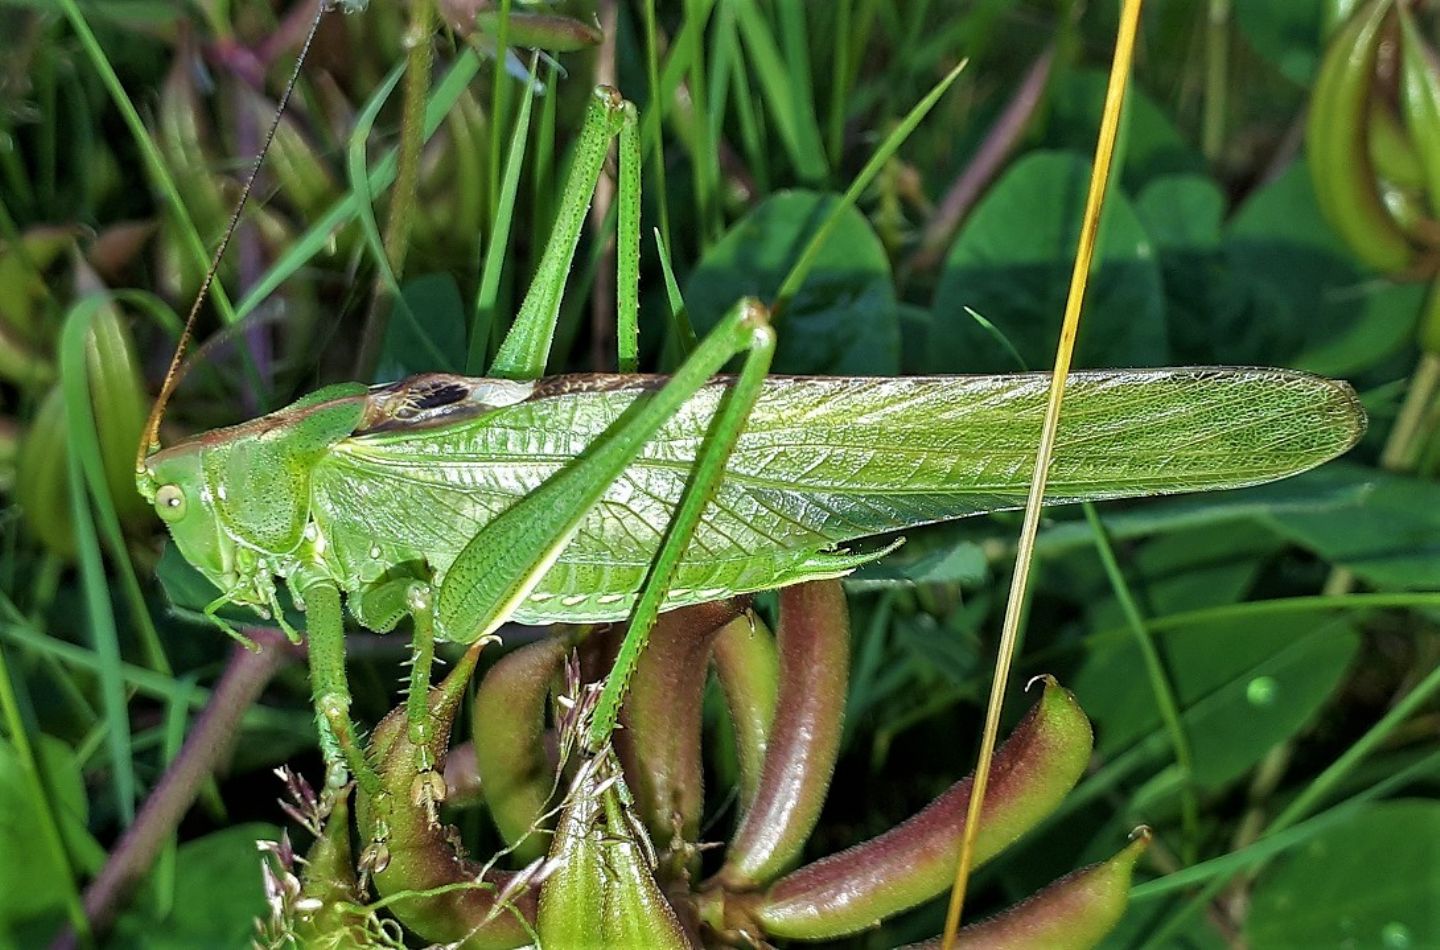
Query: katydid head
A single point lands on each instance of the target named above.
(174, 482)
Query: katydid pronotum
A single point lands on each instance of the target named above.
(462, 503)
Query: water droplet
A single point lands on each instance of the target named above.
(1262, 690)
(1396, 935)
(375, 552)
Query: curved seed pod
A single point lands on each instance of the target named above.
(117, 392)
(659, 743)
(1420, 101)
(1073, 913)
(42, 477)
(601, 891)
(1392, 151)
(1033, 771)
(508, 720)
(489, 911)
(1335, 135)
(748, 667)
(1337, 12)
(814, 647)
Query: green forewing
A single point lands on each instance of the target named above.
(822, 461)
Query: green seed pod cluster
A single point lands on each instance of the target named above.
(1373, 142)
(609, 846)
(42, 451)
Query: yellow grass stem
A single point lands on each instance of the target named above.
(1094, 203)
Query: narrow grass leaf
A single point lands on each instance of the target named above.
(321, 234)
(794, 113)
(892, 143)
(495, 253)
(154, 162)
(360, 187)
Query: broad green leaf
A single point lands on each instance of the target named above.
(1151, 145)
(1209, 312)
(1371, 882)
(1331, 488)
(427, 333)
(218, 895)
(1312, 306)
(32, 878)
(1389, 537)
(1243, 687)
(1176, 571)
(1012, 263)
(844, 319)
(1287, 34)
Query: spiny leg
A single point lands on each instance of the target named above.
(428, 788)
(339, 744)
(527, 346)
(705, 478)
(627, 246)
(380, 607)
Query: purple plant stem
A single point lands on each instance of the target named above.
(998, 144)
(206, 748)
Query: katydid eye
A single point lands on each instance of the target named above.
(170, 502)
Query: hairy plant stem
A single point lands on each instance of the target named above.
(418, 61)
(246, 675)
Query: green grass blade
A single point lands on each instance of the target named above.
(40, 799)
(154, 162)
(793, 110)
(1160, 682)
(86, 468)
(495, 252)
(793, 280)
(527, 346)
(681, 330)
(356, 166)
(321, 234)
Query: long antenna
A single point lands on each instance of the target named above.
(1010, 630)
(150, 438)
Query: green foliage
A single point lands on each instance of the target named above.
(1011, 263)
(223, 862)
(1287, 619)
(1371, 881)
(843, 321)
